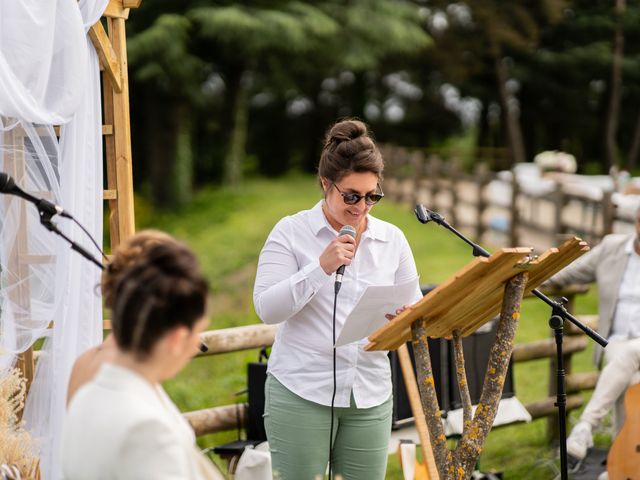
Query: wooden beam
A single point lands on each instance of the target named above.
(109, 153)
(546, 407)
(109, 194)
(238, 338)
(116, 9)
(118, 145)
(546, 348)
(26, 259)
(107, 129)
(106, 54)
(217, 419)
(131, 3)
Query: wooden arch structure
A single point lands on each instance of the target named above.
(108, 36)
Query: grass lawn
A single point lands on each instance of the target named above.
(227, 229)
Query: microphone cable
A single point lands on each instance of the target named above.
(345, 230)
(335, 382)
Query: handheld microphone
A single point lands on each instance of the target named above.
(8, 185)
(345, 230)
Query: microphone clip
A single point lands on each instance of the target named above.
(425, 216)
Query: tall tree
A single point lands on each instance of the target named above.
(171, 77)
(615, 86)
(239, 38)
(485, 36)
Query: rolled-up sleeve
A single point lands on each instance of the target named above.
(282, 287)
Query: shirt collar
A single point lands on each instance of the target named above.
(375, 228)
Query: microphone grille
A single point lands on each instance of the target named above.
(348, 230)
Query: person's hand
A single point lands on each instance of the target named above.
(339, 252)
(391, 316)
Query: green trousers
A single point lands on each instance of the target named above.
(298, 434)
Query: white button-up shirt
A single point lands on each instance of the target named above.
(293, 291)
(626, 322)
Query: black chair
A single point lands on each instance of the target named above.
(254, 427)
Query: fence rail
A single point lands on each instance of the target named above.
(231, 417)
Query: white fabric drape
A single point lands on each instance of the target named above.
(49, 75)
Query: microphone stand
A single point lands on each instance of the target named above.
(45, 219)
(556, 322)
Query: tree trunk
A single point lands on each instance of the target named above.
(632, 157)
(160, 136)
(459, 464)
(314, 138)
(613, 110)
(168, 151)
(426, 385)
(238, 97)
(472, 442)
(183, 167)
(359, 92)
(512, 122)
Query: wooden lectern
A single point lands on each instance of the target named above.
(455, 309)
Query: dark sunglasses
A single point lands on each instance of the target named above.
(353, 198)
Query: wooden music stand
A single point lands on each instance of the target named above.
(455, 309)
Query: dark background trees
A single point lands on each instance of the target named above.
(220, 90)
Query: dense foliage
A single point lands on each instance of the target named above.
(223, 89)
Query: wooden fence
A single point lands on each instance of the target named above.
(521, 215)
(504, 208)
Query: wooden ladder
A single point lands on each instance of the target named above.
(111, 46)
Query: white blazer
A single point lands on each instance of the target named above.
(119, 426)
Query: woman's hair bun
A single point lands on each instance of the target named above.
(348, 147)
(347, 130)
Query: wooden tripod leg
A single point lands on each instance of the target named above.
(418, 414)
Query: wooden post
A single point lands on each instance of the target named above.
(481, 175)
(608, 213)
(118, 146)
(514, 215)
(433, 173)
(19, 287)
(558, 204)
(418, 413)
(417, 169)
(454, 176)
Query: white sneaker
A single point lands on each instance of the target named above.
(580, 440)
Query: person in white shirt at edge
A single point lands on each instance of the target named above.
(121, 424)
(294, 288)
(615, 265)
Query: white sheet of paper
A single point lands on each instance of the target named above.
(369, 313)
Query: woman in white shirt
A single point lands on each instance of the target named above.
(121, 424)
(294, 288)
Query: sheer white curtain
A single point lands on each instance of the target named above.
(49, 75)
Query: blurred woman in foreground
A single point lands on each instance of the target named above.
(121, 424)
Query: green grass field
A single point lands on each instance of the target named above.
(227, 229)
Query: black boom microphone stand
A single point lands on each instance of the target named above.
(556, 322)
(47, 210)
